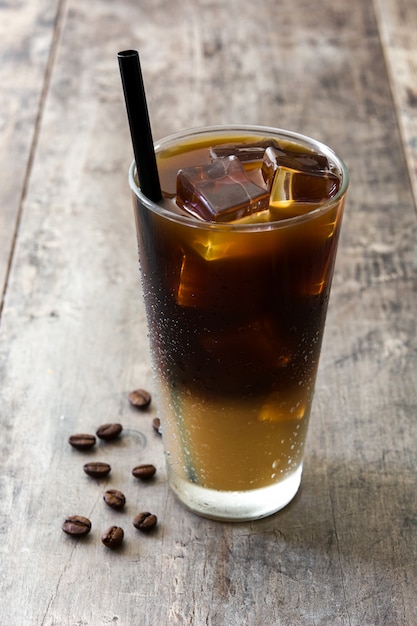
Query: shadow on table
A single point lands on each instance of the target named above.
(357, 519)
(342, 552)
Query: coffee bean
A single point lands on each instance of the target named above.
(114, 498)
(97, 469)
(82, 441)
(109, 431)
(113, 537)
(156, 423)
(145, 521)
(140, 398)
(76, 525)
(144, 472)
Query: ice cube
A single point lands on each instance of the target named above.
(191, 292)
(297, 180)
(283, 406)
(201, 275)
(245, 152)
(220, 191)
(256, 346)
(249, 154)
(308, 162)
(292, 186)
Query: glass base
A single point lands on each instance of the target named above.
(236, 506)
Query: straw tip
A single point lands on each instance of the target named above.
(125, 54)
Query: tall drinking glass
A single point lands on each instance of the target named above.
(236, 310)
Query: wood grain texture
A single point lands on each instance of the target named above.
(26, 43)
(73, 340)
(400, 43)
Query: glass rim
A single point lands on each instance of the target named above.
(265, 131)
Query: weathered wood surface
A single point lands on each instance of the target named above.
(26, 51)
(73, 337)
(399, 41)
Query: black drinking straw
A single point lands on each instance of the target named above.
(140, 128)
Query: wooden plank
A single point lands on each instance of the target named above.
(400, 44)
(73, 338)
(26, 36)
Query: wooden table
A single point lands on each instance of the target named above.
(73, 338)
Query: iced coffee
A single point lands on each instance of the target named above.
(237, 262)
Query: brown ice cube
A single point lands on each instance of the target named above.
(282, 406)
(249, 154)
(298, 180)
(220, 191)
(291, 188)
(293, 160)
(245, 152)
(256, 344)
(191, 290)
